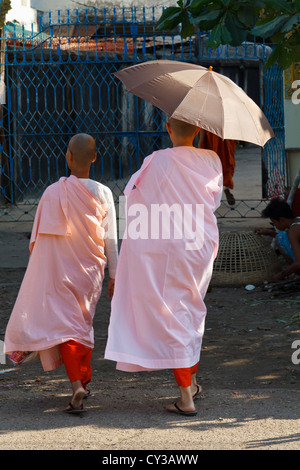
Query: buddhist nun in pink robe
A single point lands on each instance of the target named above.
(69, 248)
(166, 260)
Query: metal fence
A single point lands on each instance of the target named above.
(59, 81)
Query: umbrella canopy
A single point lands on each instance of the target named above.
(200, 96)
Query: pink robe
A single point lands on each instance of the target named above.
(63, 280)
(158, 311)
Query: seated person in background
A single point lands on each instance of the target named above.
(287, 239)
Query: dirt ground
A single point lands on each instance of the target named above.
(250, 386)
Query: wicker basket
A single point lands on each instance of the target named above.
(243, 258)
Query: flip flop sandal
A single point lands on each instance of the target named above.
(181, 412)
(198, 393)
(75, 411)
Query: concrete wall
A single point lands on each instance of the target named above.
(23, 13)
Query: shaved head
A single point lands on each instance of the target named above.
(181, 128)
(83, 149)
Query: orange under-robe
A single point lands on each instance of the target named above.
(183, 376)
(77, 361)
(226, 152)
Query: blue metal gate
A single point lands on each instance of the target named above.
(59, 81)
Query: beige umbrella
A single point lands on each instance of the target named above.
(200, 96)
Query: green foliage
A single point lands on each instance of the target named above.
(233, 21)
(5, 6)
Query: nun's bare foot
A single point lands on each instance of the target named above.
(197, 390)
(78, 394)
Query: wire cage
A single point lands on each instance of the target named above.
(243, 258)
